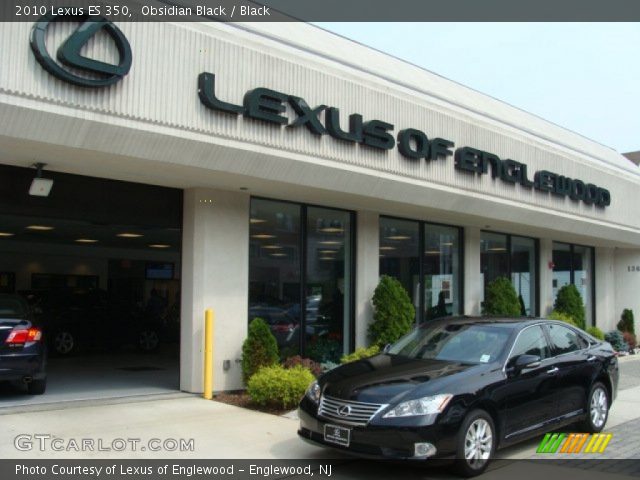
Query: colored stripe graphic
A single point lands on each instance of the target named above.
(574, 443)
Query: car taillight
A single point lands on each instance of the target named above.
(24, 336)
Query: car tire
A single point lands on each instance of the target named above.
(598, 404)
(64, 343)
(476, 444)
(148, 340)
(37, 387)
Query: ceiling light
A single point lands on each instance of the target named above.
(387, 248)
(327, 258)
(330, 242)
(272, 247)
(278, 254)
(497, 249)
(40, 187)
(86, 240)
(256, 220)
(129, 235)
(432, 252)
(40, 228)
(399, 237)
(332, 230)
(159, 245)
(448, 244)
(328, 252)
(6, 234)
(262, 236)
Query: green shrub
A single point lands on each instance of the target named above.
(279, 387)
(569, 301)
(393, 312)
(596, 332)
(562, 317)
(260, 349)
(324, 349)
(360, 353)
(626, 323)
(615, 338)
(313, 367)
(501, 299)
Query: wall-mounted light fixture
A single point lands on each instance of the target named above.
(40, 187)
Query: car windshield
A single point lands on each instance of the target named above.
(12, 307)
(464, 343)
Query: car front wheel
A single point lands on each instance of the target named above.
(597, 409)
(476, 443)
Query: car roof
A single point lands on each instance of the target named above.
(514, 322)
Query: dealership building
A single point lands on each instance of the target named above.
(277, 170)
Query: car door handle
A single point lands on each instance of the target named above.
(592, 358)
(552, 371)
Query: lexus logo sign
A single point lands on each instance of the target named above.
(344, 410)
(97, 73)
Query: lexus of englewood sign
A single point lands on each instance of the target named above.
(270, 106)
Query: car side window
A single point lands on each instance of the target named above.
(565, 340)
(531, 341)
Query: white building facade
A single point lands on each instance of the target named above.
(311, 165)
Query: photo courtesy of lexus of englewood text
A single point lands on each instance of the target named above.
(300, 238)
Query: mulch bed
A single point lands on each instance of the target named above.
(240, 398)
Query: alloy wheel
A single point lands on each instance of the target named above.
(478, 442)
(148, 340)
(599, 407)
(64, 343)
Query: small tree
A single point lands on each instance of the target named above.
(501, 299)
(626, 323)
(393, 312)
(569, 301)
(260, 349)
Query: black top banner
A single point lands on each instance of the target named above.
(330, 10)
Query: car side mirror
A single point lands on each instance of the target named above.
(386, 348)
(521, 362)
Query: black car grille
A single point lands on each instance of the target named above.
(347, 411)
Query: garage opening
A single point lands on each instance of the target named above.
(98, 262)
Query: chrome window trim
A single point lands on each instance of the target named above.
(542, 324)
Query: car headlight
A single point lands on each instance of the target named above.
(420, 406)
(313, 392)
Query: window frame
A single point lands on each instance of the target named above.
(420, 314)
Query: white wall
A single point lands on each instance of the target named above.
(627, 284)
(215, 275)
(473, 286)
(605, 297)
(367, 272)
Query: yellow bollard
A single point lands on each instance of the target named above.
(208, 354)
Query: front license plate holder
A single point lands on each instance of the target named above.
(337, 435)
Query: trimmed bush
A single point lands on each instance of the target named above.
(630, 340)
(615, 338)
(626, 323)
(279, 387)
(260, 349)
(569, 302)
(562, 317)
(501, 299)
(596, 332)
(393, 312)
(313, 367)
(360, 353)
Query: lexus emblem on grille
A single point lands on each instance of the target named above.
(344, 410)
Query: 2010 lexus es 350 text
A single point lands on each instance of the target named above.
(462, 387)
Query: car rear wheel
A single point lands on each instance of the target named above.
(64, 342)
(597, 409)
(37, 387)
(148, 340)
(476, 443)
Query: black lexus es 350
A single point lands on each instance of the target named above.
(462, 387)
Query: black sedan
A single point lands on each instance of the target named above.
(462, 387)
(22, 350)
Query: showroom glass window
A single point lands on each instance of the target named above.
(412, 250)
(515, 258)
(574, 264)
(301, 277)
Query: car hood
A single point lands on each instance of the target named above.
(385, 378)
